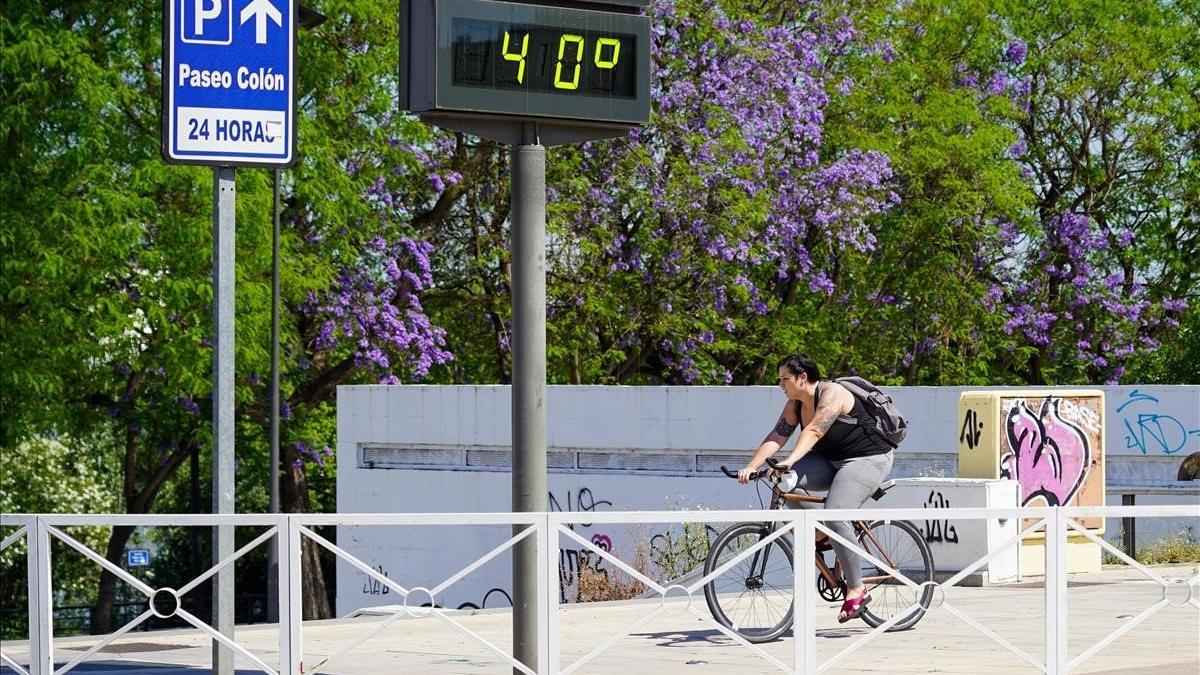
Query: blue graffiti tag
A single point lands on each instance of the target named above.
(1166, 433)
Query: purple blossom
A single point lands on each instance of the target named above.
(749, 125)
(1174, 305)
(189, 404)
(998, 83)
(1015, 54)
(375, 307)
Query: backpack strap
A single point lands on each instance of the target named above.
(845, 419)
(849, 419)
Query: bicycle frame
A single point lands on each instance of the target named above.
(832, 576)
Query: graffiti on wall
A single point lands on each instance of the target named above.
(572, 560)
(939, 531)
(373, 586)
(1048, 455)
(495, 595)
(1151, 429)
(582, 501)
(971, 431)
(1051, 447)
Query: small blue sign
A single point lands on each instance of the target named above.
(228, 82)
(137, 557)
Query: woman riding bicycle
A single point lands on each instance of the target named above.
(848, 461)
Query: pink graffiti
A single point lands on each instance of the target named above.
(602, 541)
(1047, 455)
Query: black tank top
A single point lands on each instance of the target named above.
(845, 439)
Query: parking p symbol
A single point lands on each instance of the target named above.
(206, 22)
(204, 13)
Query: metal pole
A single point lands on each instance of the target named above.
(273, 560)
(1130, 528)
(224, 201)
(528, 191)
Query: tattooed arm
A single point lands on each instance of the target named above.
(835, 400)
(784, 427)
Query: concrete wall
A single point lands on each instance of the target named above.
(445, 449)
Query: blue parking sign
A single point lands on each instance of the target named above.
(137, 557)
(228, 82)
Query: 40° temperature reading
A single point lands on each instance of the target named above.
(496, 54)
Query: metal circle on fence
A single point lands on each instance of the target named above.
(160, 594)
(939, 594)
(1177, 592)
(667, 591)
(409, 605)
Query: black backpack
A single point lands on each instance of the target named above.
(889, 424)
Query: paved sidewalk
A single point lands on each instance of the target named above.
(677, 642)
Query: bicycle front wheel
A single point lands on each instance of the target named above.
(898, 544)
(753, 598)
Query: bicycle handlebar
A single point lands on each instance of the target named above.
(771, 462)
(733, 474)
(777, 465)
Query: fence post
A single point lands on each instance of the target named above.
(41, 607)
(543, 593)
(804, 576)
(551, 581)
(1056, 593)
(291, 606)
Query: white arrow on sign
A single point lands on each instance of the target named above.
(260, 10)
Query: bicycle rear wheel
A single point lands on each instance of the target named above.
(901, 546)
(754, 597)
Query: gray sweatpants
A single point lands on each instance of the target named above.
(850, 483)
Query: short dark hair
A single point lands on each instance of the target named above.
(801, 363)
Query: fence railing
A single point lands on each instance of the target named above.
(548, 531)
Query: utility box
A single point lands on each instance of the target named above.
(957, 544)
(1051, 442)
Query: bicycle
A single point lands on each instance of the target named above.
(734, 596)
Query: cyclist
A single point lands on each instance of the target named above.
(848, 461)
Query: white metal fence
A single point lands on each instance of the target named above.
(548, 531)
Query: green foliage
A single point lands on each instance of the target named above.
(1112, 130)
(1179, 549)
(105, 294)
(915, 313)
(1177, 361)
(55, 476)
(1171, 551)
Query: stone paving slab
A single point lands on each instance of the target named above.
(678, 642)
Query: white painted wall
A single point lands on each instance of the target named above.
(445, 449)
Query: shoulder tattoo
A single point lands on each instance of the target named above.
(824, 416)
(783, 428)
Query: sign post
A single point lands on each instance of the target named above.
(527, 74)
(228, 100)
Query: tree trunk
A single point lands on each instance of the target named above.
(294, 494)
(136, 502)
(312, 582)
(102, 613)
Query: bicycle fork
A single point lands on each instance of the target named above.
(755, 580)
